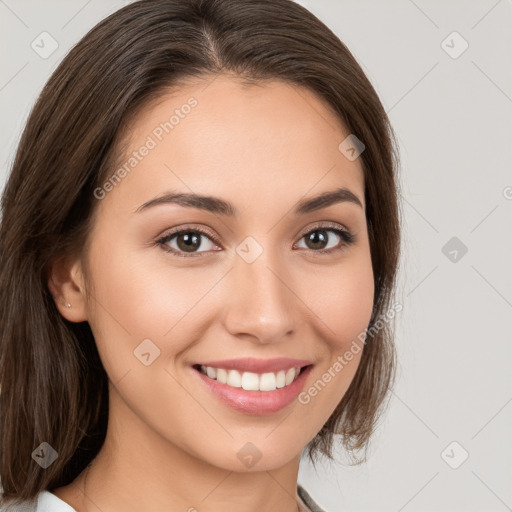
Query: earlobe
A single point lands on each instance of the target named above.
(66, 284)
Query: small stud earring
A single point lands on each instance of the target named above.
(68, 305)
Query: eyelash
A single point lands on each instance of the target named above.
(347, 237)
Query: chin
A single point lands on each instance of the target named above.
(261, 450)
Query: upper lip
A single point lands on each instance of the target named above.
(250, 364)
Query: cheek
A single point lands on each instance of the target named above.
(134, 300)
(342, 299)
(343, 302)
(350, 309)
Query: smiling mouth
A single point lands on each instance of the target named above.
(250, 381)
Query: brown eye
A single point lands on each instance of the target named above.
(187, 242)
(317, 239)
(321, 239)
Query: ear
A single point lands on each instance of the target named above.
(66, 284)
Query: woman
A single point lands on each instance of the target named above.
(199, 244)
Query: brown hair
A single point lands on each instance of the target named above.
(53, 386)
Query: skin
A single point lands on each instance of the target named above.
(171, 444)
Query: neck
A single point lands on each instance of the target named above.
(137, 469)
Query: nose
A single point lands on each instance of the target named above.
(261, 305)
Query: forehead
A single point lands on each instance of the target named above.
(265, 141)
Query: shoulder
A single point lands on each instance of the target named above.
(306, 501)
(45, 501)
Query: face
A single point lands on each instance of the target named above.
(255, 285)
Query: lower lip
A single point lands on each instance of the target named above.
(256, 402)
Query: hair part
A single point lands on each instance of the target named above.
(53, 385)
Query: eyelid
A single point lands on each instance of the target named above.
(347, 236)
(204, 230)
(162, 240)
(326, 225)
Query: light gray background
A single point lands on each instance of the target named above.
(453, 118)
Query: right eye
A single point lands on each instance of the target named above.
(185, 242)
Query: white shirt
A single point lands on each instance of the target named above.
(45, 501)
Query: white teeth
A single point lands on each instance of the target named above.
(234, 379)
(222, 375)
(280, 379)
(268, 382)
(251, 381)
(290, 375)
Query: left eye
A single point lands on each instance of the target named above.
(318, 236)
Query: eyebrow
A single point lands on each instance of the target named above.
(222, 207)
